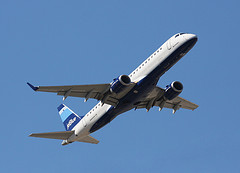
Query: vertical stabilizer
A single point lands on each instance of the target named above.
(69, 118)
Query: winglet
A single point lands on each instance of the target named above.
(33, 87)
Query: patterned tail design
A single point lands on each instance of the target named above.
(69, 118)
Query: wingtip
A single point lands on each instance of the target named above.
(33, 87)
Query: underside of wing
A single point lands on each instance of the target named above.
(93, 91)
(84, 91)
(53, 135)
(96, 91)
(181, 102)
(156, 98)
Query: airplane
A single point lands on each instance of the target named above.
(134, 91)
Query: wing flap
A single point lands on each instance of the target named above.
(53, 135)
(80, 94)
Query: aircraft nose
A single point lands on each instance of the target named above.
(190, 37)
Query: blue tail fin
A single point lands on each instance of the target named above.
(69, 118)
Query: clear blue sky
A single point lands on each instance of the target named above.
(87, 42)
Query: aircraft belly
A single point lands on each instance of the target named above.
(125, 104)
(143, 87)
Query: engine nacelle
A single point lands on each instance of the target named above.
(120, 83)
(173, 90)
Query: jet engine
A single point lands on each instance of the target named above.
(173, 90)
(120, 84)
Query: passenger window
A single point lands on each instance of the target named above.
(148, 59)
(157, 51)
(145, 62)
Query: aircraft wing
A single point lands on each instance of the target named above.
(93, 91)
(156, 99)
(183, 103)
(96, 91)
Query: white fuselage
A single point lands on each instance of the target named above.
(143, 70)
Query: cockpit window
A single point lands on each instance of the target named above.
(176, 35)
(182, 33)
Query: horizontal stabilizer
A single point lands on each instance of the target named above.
(89, 139)
(53, 135)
